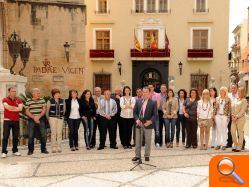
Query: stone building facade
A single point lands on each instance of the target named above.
(47, 25)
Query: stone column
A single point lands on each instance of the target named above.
(6, 79)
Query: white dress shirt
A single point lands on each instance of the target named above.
(233, 97)
(124, 102)
(108, 107)
(75, 114)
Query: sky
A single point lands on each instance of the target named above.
(238, 13)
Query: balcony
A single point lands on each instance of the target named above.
(162, 11)
(200, 54)
(97, 54)
(150, 53)
(102, 12)
(202, 10)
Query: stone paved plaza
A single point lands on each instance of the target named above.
(175, 167)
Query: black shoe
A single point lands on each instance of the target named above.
(45, 152)
(212, 147)
(114, 147)
(30, 153)
(92, 146)
(187, 146)
(133, 145)
(238, 150)
(125, 147)
(88, 148)
(194, 146)
(234, 150)
(135, 159)
(72, 149)
(76, 149)
(147, 159)
(100, 148)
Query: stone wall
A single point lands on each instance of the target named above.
(46, 26)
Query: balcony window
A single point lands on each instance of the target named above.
(102, 7)
(163, 6)
(150, 39)
(103, 40)
(200, 39)
(139, 6)
(151, 6)
(201, 6)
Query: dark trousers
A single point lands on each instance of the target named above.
(95, 125)
(116, 124)
(181, 122)
(191, 125)
(126, 126)
(229, 134)
(73, 125)
(88, 130)
(42, 133)
(161, 124)
(7, 126)
(105, 125)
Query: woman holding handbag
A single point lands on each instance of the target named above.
(204, 116)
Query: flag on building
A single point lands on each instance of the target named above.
(166, 41)
(153, 42)
(137, 45)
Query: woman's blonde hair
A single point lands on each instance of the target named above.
(204, 92)
(223, 88)
(242, 91)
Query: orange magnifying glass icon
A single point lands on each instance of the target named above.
(226, 167)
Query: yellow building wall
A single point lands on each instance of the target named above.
(178, 24)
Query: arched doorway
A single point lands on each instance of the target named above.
(151, 76)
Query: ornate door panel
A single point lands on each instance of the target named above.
(199, 81)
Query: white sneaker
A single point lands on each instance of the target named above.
(157, 145)
(17, 154)
(4, 155)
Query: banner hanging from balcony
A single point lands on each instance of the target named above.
(153, 42)
(137, 45)
(166, 41)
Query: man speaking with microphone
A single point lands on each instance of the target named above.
(145, 112)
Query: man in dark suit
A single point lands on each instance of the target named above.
(145, 112)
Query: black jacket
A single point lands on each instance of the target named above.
(68, 108)
(113, 96)
(88, 108)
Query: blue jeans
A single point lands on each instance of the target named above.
(88, 130)
(169, 129)
(42, 133)
(156, 128)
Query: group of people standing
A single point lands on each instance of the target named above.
(221, 114)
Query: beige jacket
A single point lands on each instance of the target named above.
(239, 108)
(167, 110)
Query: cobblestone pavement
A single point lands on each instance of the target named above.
(175, 167)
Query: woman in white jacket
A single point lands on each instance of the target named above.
(127, 103)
